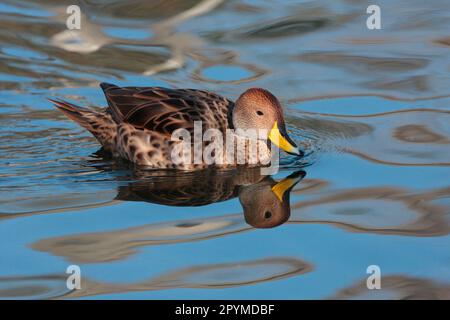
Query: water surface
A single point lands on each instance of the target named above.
(370, 107)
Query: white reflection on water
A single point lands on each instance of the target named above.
(370, 106)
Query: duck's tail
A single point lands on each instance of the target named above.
(100, 124)
(83, 116)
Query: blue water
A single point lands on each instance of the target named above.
(370, 108)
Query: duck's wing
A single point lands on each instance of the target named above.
(185, 196)
(164, 110)
(196, 188)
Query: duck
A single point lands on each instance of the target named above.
(264, 200)
(139, 123)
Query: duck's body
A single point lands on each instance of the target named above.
(139, 122)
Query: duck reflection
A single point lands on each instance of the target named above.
(265, 201)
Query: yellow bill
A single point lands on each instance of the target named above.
(284, 185)
(282, 142)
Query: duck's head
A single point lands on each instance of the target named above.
(258, 109)
(266, 204)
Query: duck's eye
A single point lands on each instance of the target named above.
(267, 215)
(259, 113)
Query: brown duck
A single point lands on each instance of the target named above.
(139, 121)
(265, 201)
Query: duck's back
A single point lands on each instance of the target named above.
(164, 110)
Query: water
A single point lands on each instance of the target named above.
(370, 107)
